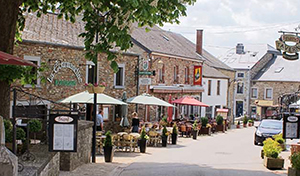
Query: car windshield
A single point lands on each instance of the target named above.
(271, 124)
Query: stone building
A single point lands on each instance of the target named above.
(247, 61)
(275, 79)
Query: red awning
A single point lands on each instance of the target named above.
(7, 59)
(222, 110)
(189, 101)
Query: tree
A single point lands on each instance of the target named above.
(111, 20)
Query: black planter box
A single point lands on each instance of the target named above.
(174, 139)
(143, 145)
(220, 128)
(108, 153)
(164, 140)
(205, 130)
(195, 134)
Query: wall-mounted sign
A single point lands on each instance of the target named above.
(198, 75)
(63, 132)
(145, 72)
(290, 126)
(145, 81)
(145, 64)
(290, 51)
(59, 65)
(64, 83)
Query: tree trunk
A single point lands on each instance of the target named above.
(9, 10)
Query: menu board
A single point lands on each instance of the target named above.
(63, 137)
(291, 130)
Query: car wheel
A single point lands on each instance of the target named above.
(255, 143)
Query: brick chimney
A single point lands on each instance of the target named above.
(199, 41)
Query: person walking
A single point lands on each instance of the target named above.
(135, 123)
(100, 121)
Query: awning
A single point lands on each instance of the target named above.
(8, 59)
(189, 101)
(176, 89)
(222, 110)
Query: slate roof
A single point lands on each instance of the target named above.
(280, 69)
(214, 62)
(253, 53)
(211, 72)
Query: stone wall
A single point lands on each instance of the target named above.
(52, 167)
(71, 160)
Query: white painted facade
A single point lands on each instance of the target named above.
(213, 99)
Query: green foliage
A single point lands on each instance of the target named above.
(204, 121)
(271, 148)
(35, 125)
(295, 160)
(195, 125)
(174, 130)
(21, 135)
(111, 20)
(278, 138)
(219, 120)
(108, 139)
(238, 123)
(143, 134)
(245, 120)
(250, 121)
(165, 131)
(165, 119)
(8, 130)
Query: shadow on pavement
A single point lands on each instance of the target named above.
(178, 169)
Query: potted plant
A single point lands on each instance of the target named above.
(89, 87)
(164, 137)
(220, 125)
(245, 121)
(205, 127)
(278, 138)
(99, 88)
(238, 124)
(272, 150)
(295, 161)
(195, 130)
(21, 135)
(250, 123)
(35, 126)
(174, 134)
(143, 140)
(108, 147)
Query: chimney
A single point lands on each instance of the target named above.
(199, 41)
(240, 48)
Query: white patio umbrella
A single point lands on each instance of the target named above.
(146, 99)
(86, 97)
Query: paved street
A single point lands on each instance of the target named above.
(219, 155)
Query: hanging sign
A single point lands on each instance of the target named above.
(198, 75)
(290, 52)
(290, 126)
(59, 65)
(63, 132)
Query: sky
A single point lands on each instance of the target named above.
(228, 22)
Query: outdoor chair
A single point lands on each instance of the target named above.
(153, 138)
(127, 142)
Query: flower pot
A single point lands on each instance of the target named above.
(205, 130)
(249, 124)
(220, 128)
(295, 148)
(90, 89)
(99, 89)
(293, 172)
(237, 126)
(108, 153)
(195, 134)
(273, 163)
(174, 139)
(245, 125)
(143, 145)
(164, 140)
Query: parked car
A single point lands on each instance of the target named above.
(266, 129)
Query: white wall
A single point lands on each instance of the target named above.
(214, 99)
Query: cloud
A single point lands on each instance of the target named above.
(227, 22)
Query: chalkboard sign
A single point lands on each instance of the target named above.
(63, 132)
(291, 125)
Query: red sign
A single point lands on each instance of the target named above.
(198, 75)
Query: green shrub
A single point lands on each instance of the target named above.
(204, 121)
(278, 138)
(219, 120)
(108, 139)
(8, 130)
(295, 160)
(165, 131)
(35, 125)
(245, 120)
(144, 134)
(21, 135)
(250, 121)
(195, 125)
(175, 130)
(271, 148)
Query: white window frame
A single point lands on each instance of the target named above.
(265, 93)
(237, 85)
(175, 73)
(38, 60)
(123, 81)
(252, 93)
(238, 74)
(87, 64)
(218, 88)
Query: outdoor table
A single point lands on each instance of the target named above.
(122, 133)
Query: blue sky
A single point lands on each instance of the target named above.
(228, 22)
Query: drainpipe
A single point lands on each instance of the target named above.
(137, 80)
